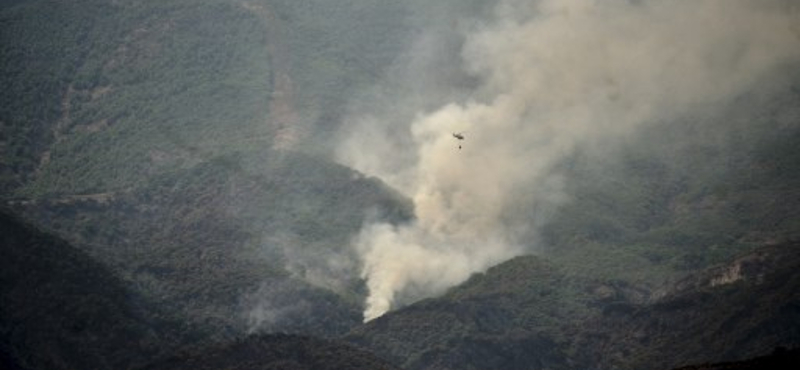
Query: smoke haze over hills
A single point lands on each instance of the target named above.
(207, 173)
(551, 77)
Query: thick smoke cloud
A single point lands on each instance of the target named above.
(552, 76)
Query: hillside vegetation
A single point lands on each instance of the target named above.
(167, 141)
(527, 313)
(173, 201)
(736, 311)
(101, 94)
(220, 240)
(685, 195)
(63, 310)
(278, 352)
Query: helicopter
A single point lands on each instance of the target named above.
(459, 136)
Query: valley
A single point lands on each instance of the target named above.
(274, 184)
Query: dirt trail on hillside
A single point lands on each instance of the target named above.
(101, 198)
(282, 113)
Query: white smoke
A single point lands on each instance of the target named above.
(555, 75)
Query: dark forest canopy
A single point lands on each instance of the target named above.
(207, 173)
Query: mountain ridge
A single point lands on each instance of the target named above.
(547, 317)
(62, 310)
(176, 163)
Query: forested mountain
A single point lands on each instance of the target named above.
(62, 310)
(528, 313)
(678, 203)
(513, 184)
(103, 94)
(736, 311)
(200, 241)
(780, 359)
(163, 146)
(277, 352)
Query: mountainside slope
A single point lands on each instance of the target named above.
(184, 145)
(275, 352)
(520, 314)
(780, 359)
(162, 138)
(239, 243)
(743, 309)
(686, 194)
(101, 94)
(62, 310)
(527, 314)
(104, 93)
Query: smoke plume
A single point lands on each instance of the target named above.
(548, 77)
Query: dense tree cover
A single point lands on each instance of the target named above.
(781, 359)
(42, 46)
(209, 241)
(278, 352)
(515, 316)
(163, 139)
(527, 313)
(63, 310)
(684, 195)
(155, 156)
(101, 93)
(147, 80)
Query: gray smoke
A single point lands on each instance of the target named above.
(549, 76)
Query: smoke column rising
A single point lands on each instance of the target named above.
(555, 75)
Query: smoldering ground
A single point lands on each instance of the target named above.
(543, 78)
